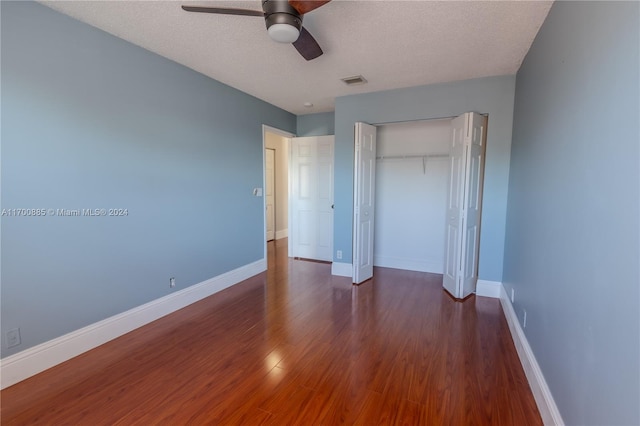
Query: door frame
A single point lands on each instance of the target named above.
(269, 129)
(266, 195)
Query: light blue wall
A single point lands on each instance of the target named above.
(493, 96)
(91, 121)
(572, 251)
(315, 124)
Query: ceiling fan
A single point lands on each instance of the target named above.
(283, 19)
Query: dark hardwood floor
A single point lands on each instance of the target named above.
(295, 345)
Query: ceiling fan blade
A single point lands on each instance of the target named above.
(307, 46)
(224, 11)
(306, 6)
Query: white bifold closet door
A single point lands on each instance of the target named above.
(311, 198)
(364, 201)
(464, 202)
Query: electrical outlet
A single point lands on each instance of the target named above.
(513, 295)
(13, 338)
(524, 319)
(339, 254)
(172, 282)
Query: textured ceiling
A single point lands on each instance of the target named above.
(392, 44)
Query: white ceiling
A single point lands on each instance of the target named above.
(391, 43)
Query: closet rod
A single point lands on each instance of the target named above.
(402, 157)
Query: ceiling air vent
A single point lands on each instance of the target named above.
(354, 81)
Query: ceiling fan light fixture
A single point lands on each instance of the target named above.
(283, 21)
(283, 33)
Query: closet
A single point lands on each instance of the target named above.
(418, 197)
(412, 164)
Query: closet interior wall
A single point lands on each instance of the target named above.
(411, 194)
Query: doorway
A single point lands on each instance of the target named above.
(301, 194)
(276, 209)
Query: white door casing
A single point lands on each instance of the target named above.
(311, 203)
(464, 202)
(364, 201)
(270, 173)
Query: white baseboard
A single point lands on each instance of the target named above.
(29, 362)
(341, 269)
(434, 267)
(488, 288)
(283, 233)
(541, 392)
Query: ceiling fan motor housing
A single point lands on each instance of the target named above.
(281, 12)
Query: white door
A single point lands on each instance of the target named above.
(270, 196)
(364, 201)
(311, 183)
(454, 203)
(464, 201)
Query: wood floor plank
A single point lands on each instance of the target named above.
(296, 345)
